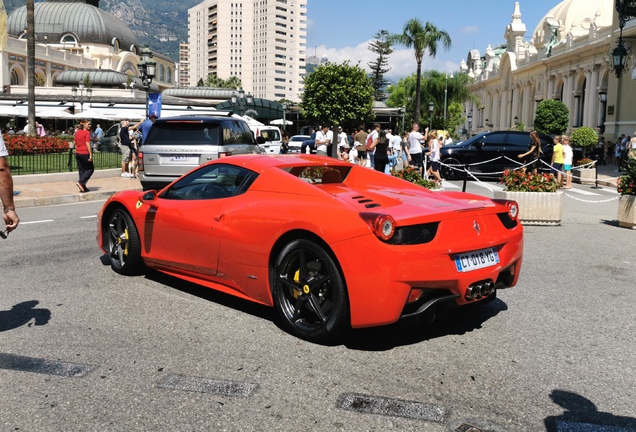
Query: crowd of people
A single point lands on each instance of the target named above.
(380, 148)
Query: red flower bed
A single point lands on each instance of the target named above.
(24, 145)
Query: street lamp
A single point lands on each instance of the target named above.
(446, 96)
(81, 95)
(470, 122)
(620, 54)
(242, 101)
(147, 70)
(284, 117)
(431, 107)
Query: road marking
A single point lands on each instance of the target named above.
(88, 217)
(612, 190)
(390, 407)
(37, 222)
(43, 366)
(207, 385)
(582, 192)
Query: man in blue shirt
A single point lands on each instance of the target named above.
(144, 127)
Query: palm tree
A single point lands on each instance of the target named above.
(421, 38)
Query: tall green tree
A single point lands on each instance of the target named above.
(232, 82)
(337, 94)
(422, 38)
(383, 48)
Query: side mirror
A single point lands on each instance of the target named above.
(479, 145)
(149, 197)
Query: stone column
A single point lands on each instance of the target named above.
(591, 99)
(568, 95)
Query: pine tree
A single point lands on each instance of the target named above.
(383, 48)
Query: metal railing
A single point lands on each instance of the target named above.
(47, 163)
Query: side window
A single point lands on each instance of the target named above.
(494, 140)
(211, 182)
(519, 140)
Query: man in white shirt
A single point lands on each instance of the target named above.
(343, 139)
(415, 147)
(323, 138)
(372, 137)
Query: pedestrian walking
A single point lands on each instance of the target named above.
(568, 155)
(360, 145)
(10, 217)
(83, 154)
(415, 147)
(531, 157)
(380, 146)
(557, 159)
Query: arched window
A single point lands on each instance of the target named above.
(169, 75)
(68, 39)
(15, 79)
(161, 73)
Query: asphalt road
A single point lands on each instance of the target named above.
(83, 349)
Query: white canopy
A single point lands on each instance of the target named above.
(280, 122)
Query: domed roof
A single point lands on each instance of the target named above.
(87, 22)
(573, 15)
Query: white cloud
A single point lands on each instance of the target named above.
(401, 60)
(469, 30)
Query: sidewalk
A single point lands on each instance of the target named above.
(48, 189)
(60, 188)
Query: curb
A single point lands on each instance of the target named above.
(65, 198)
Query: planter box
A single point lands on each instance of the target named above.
(536, 208)
(627, 211)
(584, 175)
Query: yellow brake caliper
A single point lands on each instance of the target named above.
(305, 287)
(126, 238)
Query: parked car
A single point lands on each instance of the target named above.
(285, 231)
(268, 137)
(109, 142)
(489, 153)
(175, 145)
(296, 141)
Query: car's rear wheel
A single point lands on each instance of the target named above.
(122, 243)
(452, 173)
(309, 292)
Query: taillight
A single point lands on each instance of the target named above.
(383, 226)
(140, 161)
(513, 209)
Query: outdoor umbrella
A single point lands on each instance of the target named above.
(91, 113)
(280, 122)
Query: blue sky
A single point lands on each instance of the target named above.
(341, 30)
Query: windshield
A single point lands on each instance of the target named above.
(270, 134)
(319, 173)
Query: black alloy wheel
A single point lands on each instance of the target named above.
(122, 243)
(309, 292)
(454, 173)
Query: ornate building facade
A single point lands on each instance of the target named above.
(565, 58)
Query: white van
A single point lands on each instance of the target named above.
(271, 136)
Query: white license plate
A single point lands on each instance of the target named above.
(475, 260)
(179, 158)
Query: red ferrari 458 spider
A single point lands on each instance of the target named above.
(329, 244)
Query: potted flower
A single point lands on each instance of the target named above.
(626, 186)
(540, 201)
(413, 175)
(584, 172)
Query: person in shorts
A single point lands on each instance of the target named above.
(568, 155)
(125, 145)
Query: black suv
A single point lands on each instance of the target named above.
(489, 153)
(176, 145)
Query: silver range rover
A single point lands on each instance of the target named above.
(176, 145)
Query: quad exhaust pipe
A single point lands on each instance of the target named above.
(480, 290)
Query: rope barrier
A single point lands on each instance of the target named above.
(592, 202)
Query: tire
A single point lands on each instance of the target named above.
(123, 244)
(309, 292)
(449, 173)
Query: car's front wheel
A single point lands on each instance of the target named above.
(309, 292)
(122, 243)
(452, 169)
